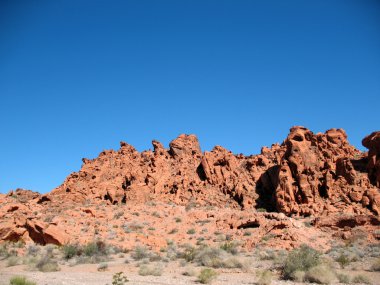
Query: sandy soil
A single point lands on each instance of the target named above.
(172, 273)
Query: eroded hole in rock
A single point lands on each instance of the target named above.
(201, 172)
(249, 225)
(127, 182)
(107, 197)
(44, 199)
(322, 191)
(349, 223)
(298, 138)
(360, 164)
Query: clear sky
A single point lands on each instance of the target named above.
(77, 77)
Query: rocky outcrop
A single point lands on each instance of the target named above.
(372, 142)
(319, 175)
(308, 174)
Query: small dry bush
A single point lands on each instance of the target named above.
(207, 275)
(301, 259)
(343, 259)
(343, 278)
(376, 265)
(361, 279)
(46, 264)
(264, 278)
(140, 252)
(12, 261)
(154, 270)
(320, 274)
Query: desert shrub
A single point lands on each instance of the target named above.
(301, 259)
(20, 280)
(154, 270)
(178, 220)
(298, 276)
(46, 264)
(33, 250)
(207, 275)
(230, 247)
(102, 266)
(264, 278)
(361, 279)
(376, 265)
(119, 279)
(210, 257)
(12, 261)
(140, 252)
(95, 248)
(191, 231)
(321, 274)
(70, 250)
(4, 250)
(343, 259)
(343, 278)
(188, 254)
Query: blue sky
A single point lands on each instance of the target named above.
(77, 77)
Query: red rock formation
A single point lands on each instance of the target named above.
(308, 174)
(372, 142)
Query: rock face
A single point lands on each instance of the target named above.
(318, 175)
(372, 142)
(323, 173)
(306, 175)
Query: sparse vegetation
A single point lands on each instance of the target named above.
(361, 279)
(140, 252)
(343, 259)
(343, 278)
(154, 270)
(207, 275)
(20, 280)
(230, 247)
(119, 279)
(321, 274)
(376, 265)
(13, 260)
(191, 231)
(93, 252)
(301, 259)
(264, 278)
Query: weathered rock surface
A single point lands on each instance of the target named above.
(372, 142)
(316, 175)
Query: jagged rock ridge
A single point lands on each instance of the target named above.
(317, 175)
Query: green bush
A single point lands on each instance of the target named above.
(140, 252)
(301, 259)
(343, 259)
(207, 275)
(230, 247)
(70, 250)
(321, 274)
(20, 280)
